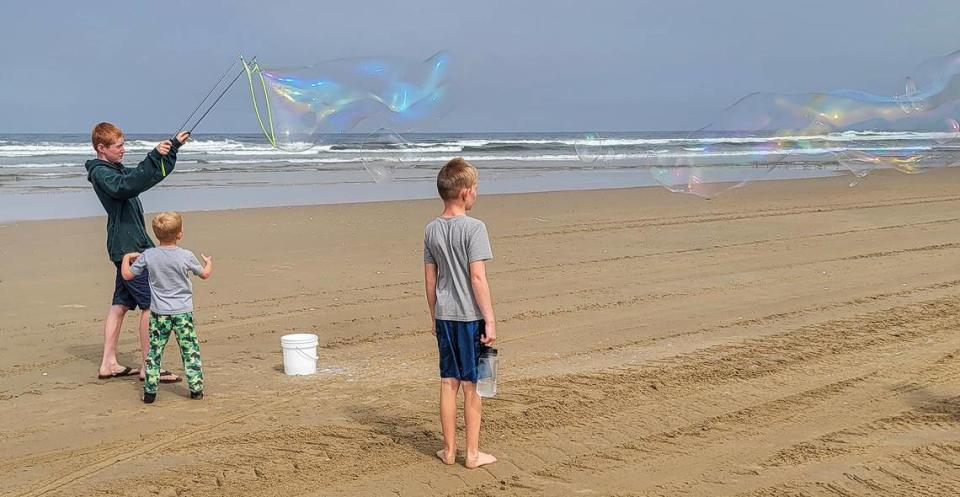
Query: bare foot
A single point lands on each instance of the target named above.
(447, 459)
(482, 459)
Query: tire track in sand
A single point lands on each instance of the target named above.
(585, 403)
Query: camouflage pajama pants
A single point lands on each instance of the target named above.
(161, 326)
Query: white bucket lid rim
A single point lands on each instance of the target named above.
(299, 338)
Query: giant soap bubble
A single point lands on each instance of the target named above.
(851, 130)
(300, 108)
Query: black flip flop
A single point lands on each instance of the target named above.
(127, 371)
(164, 372)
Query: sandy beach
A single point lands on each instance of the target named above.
(788, 338)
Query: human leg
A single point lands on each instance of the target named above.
(471, 421)
(448, 419)
(111, 336)
(165, 376)
(143, 331)
(122, 302)
(189, 350)
(449, 386)
(160, 327)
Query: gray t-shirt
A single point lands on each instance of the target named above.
(452, 244)
(170, 289)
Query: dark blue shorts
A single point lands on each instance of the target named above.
(134, 293)
(460, 348)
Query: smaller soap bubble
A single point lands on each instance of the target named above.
(590, 148)
(910, 101)
(950, 133)
(707, 181)
(384, 152)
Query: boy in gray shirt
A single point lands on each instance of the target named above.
(171, 301)
(455, 248)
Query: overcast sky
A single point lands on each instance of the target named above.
(525, 65)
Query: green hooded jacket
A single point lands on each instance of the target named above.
(118, 187)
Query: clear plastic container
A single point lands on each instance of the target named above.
(487, 372)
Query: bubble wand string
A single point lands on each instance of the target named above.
(205, 97)
(163, 167)
(214, 104)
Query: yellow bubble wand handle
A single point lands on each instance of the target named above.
(252, 68)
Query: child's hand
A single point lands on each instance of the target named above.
(489, 334)
(207, 266)
(164, 147)
(132, 256)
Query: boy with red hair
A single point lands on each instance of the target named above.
(117, 187)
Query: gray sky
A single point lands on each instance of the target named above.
(525, 65)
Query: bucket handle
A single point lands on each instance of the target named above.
(308, 356)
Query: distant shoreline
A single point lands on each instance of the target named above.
(194, 192)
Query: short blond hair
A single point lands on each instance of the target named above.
(106, 134)
(455, 176)
(167, 226)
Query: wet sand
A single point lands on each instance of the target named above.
(788, 338)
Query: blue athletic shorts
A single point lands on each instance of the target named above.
(460, 348)
(134, 293)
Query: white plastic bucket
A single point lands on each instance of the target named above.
(299, 353)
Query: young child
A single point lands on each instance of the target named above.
(171, 300)
(118, 188)
(455, 247)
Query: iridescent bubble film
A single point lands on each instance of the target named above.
(300, 108)
(843, 130)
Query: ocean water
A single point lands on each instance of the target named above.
(42, 176)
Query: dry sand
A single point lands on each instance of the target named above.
(789, 338)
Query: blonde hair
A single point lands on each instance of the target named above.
(167, 226)
(455, 176)
(106, 134)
